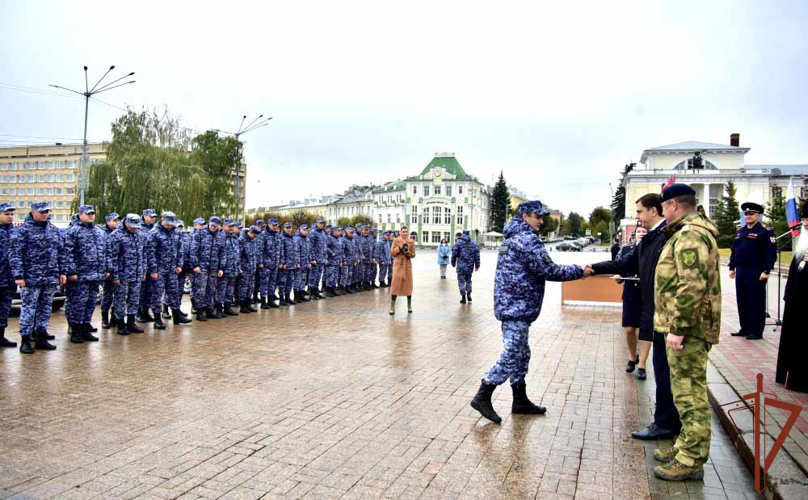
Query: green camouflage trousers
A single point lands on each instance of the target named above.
(689, 387)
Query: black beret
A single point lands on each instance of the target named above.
(804, 212)
(675, 191)
(752, 206)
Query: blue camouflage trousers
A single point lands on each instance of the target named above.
(174, 293)
(224, 290)
(35, 314)
(369, 271)
(212, 288)
(316, 275)
(514, 360)
(272, 281)
(166, 283)
(464, 280)
(6, 296)
(146, 292)
(285, 280)
(357, 273)
(107, 296)
(262, 277)
(383, 272)
(199, 283)
(300, 278)
(81, 297)
(246, 283)
(331, 275)
(127, 299)
(344, 275)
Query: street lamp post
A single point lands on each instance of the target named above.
(88, 93)
(253, 125)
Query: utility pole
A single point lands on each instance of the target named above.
(253, 125)
(88, 93)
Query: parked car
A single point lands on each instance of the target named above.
(568, 247)
(57, 303)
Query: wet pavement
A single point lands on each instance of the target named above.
(337, 399)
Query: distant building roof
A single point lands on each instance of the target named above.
(448, 162)
(692, 147)
(781, 169)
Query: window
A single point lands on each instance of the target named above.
(61, 164)
(389, 218)
(31, 178)
(426, 215)
(3, 166)
(12, 204)
(426, 190)
(460, 189)
(715, 196)
(40, 190)
(20, 191)
(51, 165)
(51, 178)
(41, 178)
(70, 177)
(71, 164)
(49, 191)
(70, 190)
(435, 236)
(13, 166)
(30, 191)
(60, 177)
(380, 218)
(447, 218)
(4, 191)
(60, 204)
(449, 191)
(459, 216)
(437, 190)
(437, 216)
(776, 192)
(414, 190)
(414, 216)
(414, 237)
(41, 165)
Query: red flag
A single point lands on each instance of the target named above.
(671, 181)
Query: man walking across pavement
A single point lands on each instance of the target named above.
(35, 266)
(754, 252)
(523, 266)
(83, 262)
(687, 293)
(7, 284)
(466, 257)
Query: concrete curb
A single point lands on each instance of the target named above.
(785, 479)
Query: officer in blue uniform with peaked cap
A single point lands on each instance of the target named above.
(7, 285)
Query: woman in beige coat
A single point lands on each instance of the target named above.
(403, 251)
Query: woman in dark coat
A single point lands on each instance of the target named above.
(632, 310)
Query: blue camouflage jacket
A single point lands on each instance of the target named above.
(333, 249)
(83, 252)
(207, 251)
(148, 255)
(317, 242)
(523, 266)
(303, 247)
(6, 278)
(185, 248)
(125, 258)
(233, 251)
(35, 252)
(249, 252)
(289, 256)
(164, 250)
(466, 255)
(273, 245)
(380, 252)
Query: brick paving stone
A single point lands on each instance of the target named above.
(336, 399)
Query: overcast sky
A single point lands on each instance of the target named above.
(557, 95)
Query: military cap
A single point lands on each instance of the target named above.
(150, 212)
(255, 229)
(337, 228)
(530, 207)
(304, 226)
(199, 220)
(752, 207)
(319, 221)
(803, 212)
(86, 209)
(230, 223)
(287, 224)
(273, 221)
(465, 232)
(6, 207)
(328, 226)
(133, 220)
(112, 216)
(239, 225)
(40, 206)
(374, 230)
(180, 223)
(349, 228)
(675, 191)
(169, 218)
(260, 223)
(215, 221)
(359, 226)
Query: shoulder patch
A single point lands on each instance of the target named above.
(690, 258)
(686, 227)
(503, 249)
(546, 258)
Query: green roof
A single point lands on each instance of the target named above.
(449, 163)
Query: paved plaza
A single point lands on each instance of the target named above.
(337, 399)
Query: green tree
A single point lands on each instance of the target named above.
(776, 213)
(726, 216)
(500, 204)
(600, 214)
(601, 230)
(575, 224)
(619, 198)
(550, 225)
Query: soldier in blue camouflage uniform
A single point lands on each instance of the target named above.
(382, 255)
(288, 262)
(303, 252)
(393, 235)
(199, 224)
(350, 243)
(165, 247)
(34, 258)
(232, 268)
(110, 224)
(261, 278)
(83, 262)
(319, 259)
(344, 263)
(271, 255)
(126, 265)
(466, 257)
(249, 256)
(7, 285)
(208, 259)
(177, 290)
(368, 266)
(333, 251)
(373, 263)
(148, 218)
(523, 267)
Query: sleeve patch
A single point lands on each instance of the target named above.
(774, 240)
(546, 258)
(690, 258)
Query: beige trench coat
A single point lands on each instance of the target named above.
(402, 267)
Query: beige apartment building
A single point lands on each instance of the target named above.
(49, 173)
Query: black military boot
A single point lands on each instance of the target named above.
(25, 345)
(87, 333)
(91, 328)
(462, 298)
(245, 307)
(328, 292)
(4, 342)
(373, 284)
(271, 300)
(122, 330)
(166, 312)
(521, 404)
(105, 320)
(252, 308)
(75, 333)
(179, 319)
(42, 342)
(254, 298)
(209, 313)
(228, 309)
(468, 296)
(148, 317)
(319, 293)
(482, 402)
(140, 318)
(264, 303)
(45, 335)
(200, 314)
(158, 320)
(131, 325)
(179, 311)
(305, 296)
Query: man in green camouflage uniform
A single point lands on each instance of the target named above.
(688, 310)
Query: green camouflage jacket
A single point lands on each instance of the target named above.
(687, 287)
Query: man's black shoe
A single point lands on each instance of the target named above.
(641, 374)
(652, 432)
(200, 315)
(754, 337)
(166, 312)
(630, 366)
(521, 404)
(462, 298)
(25, 345)
(105, 320)
(468, 296)
(75, 333)
(122, 330)
(228, 309)
(158, 321)
(179, 319)
(87, 333)
(131, 325)
(738, 334)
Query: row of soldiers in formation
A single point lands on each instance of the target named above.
(142, 264)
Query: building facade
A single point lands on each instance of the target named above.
(721, 164)
(44, 173)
